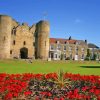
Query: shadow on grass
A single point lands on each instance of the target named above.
(90, 66)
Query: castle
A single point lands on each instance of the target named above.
(23, 41)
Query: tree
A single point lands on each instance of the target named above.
(88, 55)
(94, 56)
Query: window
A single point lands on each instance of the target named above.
(52, 47)
(55, 55)
(82, 56)
(64, 47)
(13, 42)
(24, 43)
(70, 48)
(10, 51)
(59, 47)
(59, 56)
(14, 31)
(82, 49)
(76, 50)
(64, 56)
(33, 43)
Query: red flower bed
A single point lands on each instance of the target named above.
(49, 86)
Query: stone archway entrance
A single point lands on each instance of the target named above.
(24, 53)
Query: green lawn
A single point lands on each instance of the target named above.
(21, 66)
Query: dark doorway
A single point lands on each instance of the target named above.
(52, 55)
(24, 53)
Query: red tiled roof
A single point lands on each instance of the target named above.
(62, 41)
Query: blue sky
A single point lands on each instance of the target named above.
(77, 18)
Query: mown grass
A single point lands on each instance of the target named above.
(22, 66)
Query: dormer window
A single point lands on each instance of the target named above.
(57, 42)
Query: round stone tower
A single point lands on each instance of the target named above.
(43, 30)
(5, 36)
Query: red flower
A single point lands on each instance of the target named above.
(8, 96)
(92, 91)
(37, 98)
(61, 98)
(97, 91)
(49, 94)
(56, 98)
(15, 94)
(12, 85)
(27, 93)
(76, 91)
(84, 88)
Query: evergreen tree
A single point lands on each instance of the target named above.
(88, 55)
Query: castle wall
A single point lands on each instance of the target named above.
(5, 36)
(23, 39)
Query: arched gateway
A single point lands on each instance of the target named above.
(24, 53)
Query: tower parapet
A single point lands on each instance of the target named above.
(5, 36)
